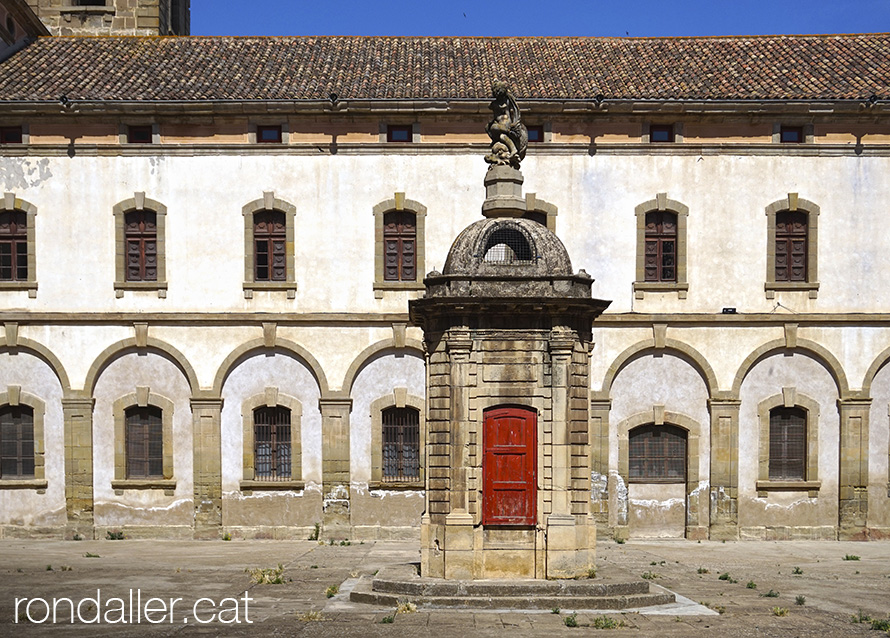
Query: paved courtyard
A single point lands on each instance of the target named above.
(195, 585)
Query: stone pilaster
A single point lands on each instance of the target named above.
(206, 441)
(78, 416)
(459, 347)
(335, 474)
(600, 405)
(724, 519)
(853, 469)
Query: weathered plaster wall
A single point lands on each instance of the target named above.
(878, 450)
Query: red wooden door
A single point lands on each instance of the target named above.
(509, 467)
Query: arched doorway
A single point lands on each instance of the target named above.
(657, 472)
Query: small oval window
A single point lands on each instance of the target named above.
(507, 246)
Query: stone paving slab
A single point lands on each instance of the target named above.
(835, 590)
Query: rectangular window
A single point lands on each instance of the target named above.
(270, 239)
(11, 135)
(13, 246)
(16, 442)
(399, 133)
(660, 259)
(399, 251)
(661, 133)
(657, 454)
(139, 134)
(272, 444)
(145, 442)
(268, 134)
(787, 444)
(141, 234)
(791, 135)
(791, 246)
(401, 445)
(535, 133)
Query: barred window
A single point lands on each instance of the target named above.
(507, 246)
(657, 454)
(270, 238)
(661, 246)
(16, 442)
(787, 444)
(401, 445)
(399, 246)
(791, 246)
(141, 235)
(13, 246)
(145, 442)
(272, 443)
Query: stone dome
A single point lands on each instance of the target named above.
(507, 248)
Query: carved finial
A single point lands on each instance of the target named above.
(509, 137)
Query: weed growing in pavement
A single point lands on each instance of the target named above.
(850, 557)
(227, 537)
(800, 600)
(780, 611)
(704, 570)
(650, 575)
(311, 616)
(604, 622)
(77, 537)
(114, 536)
(387, 620)
(751, 585)
(880, 624)
(770, 594)
(555, 610)
(619, 540)
(406, 607)
(269, 576)
(725, 576)
(720, 609)
(313, 536)
(345, 543)
(49, 568)
(591, 573)
(860, 617)
(571, 620)
(66, 568)
(797, 571)
(332, 591)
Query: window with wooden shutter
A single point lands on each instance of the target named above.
(13, 246)
(401, 445)
(270, 240)
(791, 246)
(141, 237)
(399, 246)
(787, 444)
(272, 443)
(657, 454)
(145, 442)
(660, 258)
(16, 442)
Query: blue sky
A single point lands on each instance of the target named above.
(538, 17)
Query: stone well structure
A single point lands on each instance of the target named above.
(507, 328)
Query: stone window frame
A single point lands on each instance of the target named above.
(142, 397)
(13, 396)
(289, 285)
(399, 203)
(271, 397)
(677, 132)
(792, 203)
(400, 398)
(789, 398)
(808, 133)
(25, 131)
(658, 416)
(252, 126)
(661, 204)
(11, 203)
(139, 202)
(384, 132)
(124, 131)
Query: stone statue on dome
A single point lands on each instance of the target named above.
(509, 137)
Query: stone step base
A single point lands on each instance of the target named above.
(399, 584)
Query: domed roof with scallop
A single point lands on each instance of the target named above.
(507, 248)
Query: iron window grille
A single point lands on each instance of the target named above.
(16, 442)
(13, 246)
(399, 246)
(660, 260)
(401, 445)
(270, 239)
(145, 442)
(657, 454)
(507, 246)
(272, 444)
(787, 444)
(141, 236)
(791, 246)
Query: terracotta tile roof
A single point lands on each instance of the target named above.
(413, 68)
